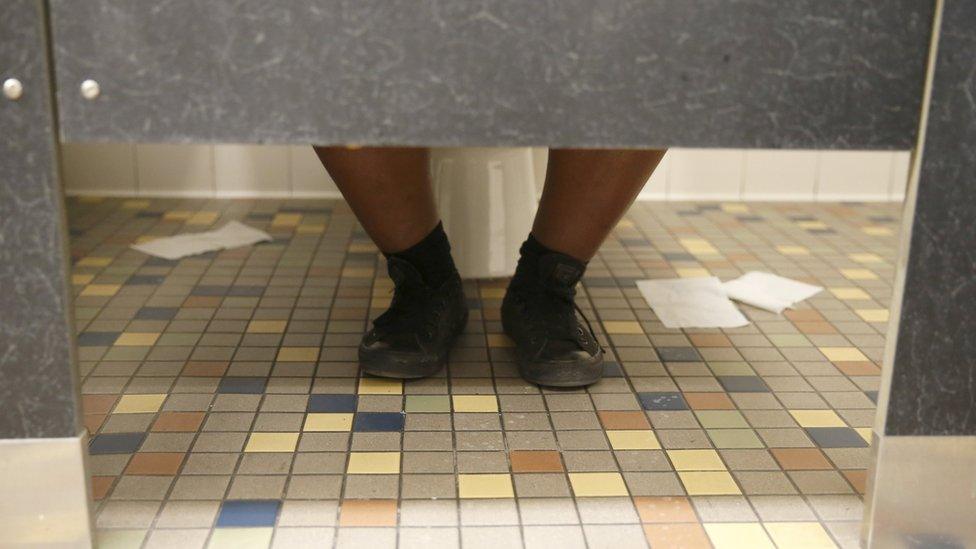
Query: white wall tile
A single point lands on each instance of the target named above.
(251, 170)
(713, 174)
(656, 187)
(107, 169)
(175, 170)
(900, 166)
(308, 177)
(779, 175)
(540, 161)
(854, 175)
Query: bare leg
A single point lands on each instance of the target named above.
(586, 194)
(388, 189)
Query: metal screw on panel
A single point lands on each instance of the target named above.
(13, 89)
(90, 89)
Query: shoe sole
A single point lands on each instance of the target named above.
(562, 374)
(404, 366)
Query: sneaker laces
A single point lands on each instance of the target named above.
(541, 300)
(415, 308)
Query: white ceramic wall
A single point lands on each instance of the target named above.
(284, 171)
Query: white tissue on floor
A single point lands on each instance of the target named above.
(691, 303)
(768, 291)
(232, 235)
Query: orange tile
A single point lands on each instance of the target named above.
(154, 463)
(101, 486)
(709, 340)
(93, 421)
(803, 315)
(204, 368)
(858, 479)
(664, 509)
(623, 420)
(368, 512)
(686, 536)
(858, 368)
(178, 422)
(794, 459)
(202, 301)
(98, 404)
(815, 328)
(536, 461)
(709, 401)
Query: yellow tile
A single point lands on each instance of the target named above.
(708, 483)
(362, 247)
(374, 463)
(792, 250)
(625, 223)
(865, 433)
(696, 460)
(597, 484)
(298, 354)
(139, 404)
(735, 208)
(381, 302)
(692, 272)
(177, 215)
(267, 326)
(492, 293)
(380, 386)
(858, 274)
(475, 403)
(240, 538)
(135, 204)
(145, 238)
(817, 418)
(877, 231)
(202, 218)
(286, 220)
(358, 272)
(738, 535)
(272, 442)
(90, 199)
(873, 315)
(81, 279)
(92, 261)
(865, 258)
(622, 327)
(812, 224)
(805, 535)
(499, 340)
(328, 422)
(310, 229)
(849, 293)
(485, 486)
(136, 339)
(100, 290)
(698, 246)
(843, 354)
(633, 440)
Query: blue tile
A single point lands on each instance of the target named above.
(599, 282)
(332, 403)
(873, 395)
(836, 437)
(242, 385)
(678, 354)
(678, 256)
(145, 280)
(662, 401)
(248, 513)
(634, 242)
(156, 313)
(97, 339)
(366, 422)
(612, 369)
(743, 384)
(115, 443)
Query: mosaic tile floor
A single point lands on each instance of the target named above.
(226, 410)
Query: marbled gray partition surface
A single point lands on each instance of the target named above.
(38, 387)
(630, 73)
(933, 390)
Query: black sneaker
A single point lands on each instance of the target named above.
(552, 348)
(412, 338)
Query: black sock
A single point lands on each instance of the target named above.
(528, 264)
(431, 257)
